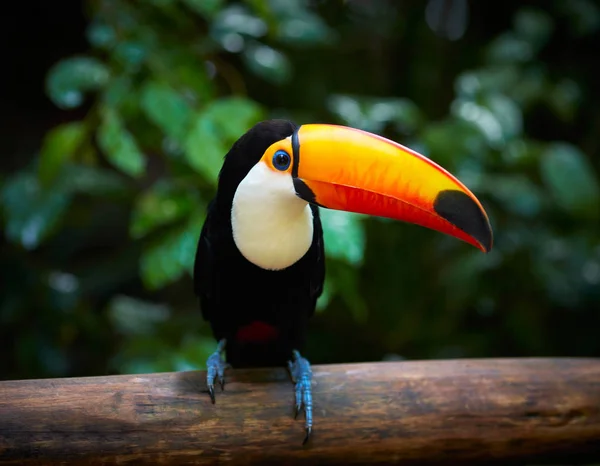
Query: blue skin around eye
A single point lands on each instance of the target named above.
(280, 166)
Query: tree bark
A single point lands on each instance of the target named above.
(448, 412)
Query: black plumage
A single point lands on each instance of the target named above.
(234, 293)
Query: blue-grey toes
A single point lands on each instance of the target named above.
(215, 368)
(302, 376)
(300, 371)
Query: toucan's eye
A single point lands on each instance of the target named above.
(281, 160)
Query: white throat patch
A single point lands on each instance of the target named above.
(272, 227)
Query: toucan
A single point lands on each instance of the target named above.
(260, 263)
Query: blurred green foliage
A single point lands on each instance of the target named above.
(101, 227)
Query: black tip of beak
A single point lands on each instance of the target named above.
(464, 213)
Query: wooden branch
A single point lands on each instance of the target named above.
(452, 412)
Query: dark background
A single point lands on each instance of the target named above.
(115, 115)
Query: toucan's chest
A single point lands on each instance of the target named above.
(257, 291)
(243, 293)
(272, 228)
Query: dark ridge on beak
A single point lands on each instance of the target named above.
(295, 152)
(461, 211)
(304, 192)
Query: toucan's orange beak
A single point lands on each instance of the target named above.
(348, 169)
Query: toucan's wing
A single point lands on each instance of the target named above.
(318, 274)
(205, 266)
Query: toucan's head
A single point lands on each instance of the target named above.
(277, 168)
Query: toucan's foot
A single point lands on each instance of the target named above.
(215, 367)
(302, 376)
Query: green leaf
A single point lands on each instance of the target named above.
(167, 109)
(571, 179)
(565, 99)
(131, 54)
(326, 296)
(207, 8)
(101, 35)
(532, 85)
(161, 205)
(31, 212)
(218, 126)
(117, 90)
(69, 79)
(507, 113)
(497, 117)
(521, 153)
(583, 15)
(499, 78)
(293, 22)
(122, 96)
(283, 9)
(142, 353)
(162, 3)
(509, 48)
(171, 256)
(403, 112)
(60, 145)
(517, 193)
(534, 25)
(451, 141)
(460, 280)
(345, 283)
(344, 235)
(195, 350)
(119, 145)
(204, 148)
(236, 19)
(132, 316)
(268, 63)
(481, 117)
(92, 181)
(304, 29)
(182, 67)
(349, 110)
(372, 114)
(233, 116)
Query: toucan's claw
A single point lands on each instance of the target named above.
(301, 374)
(215, 368)
(308, 432)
